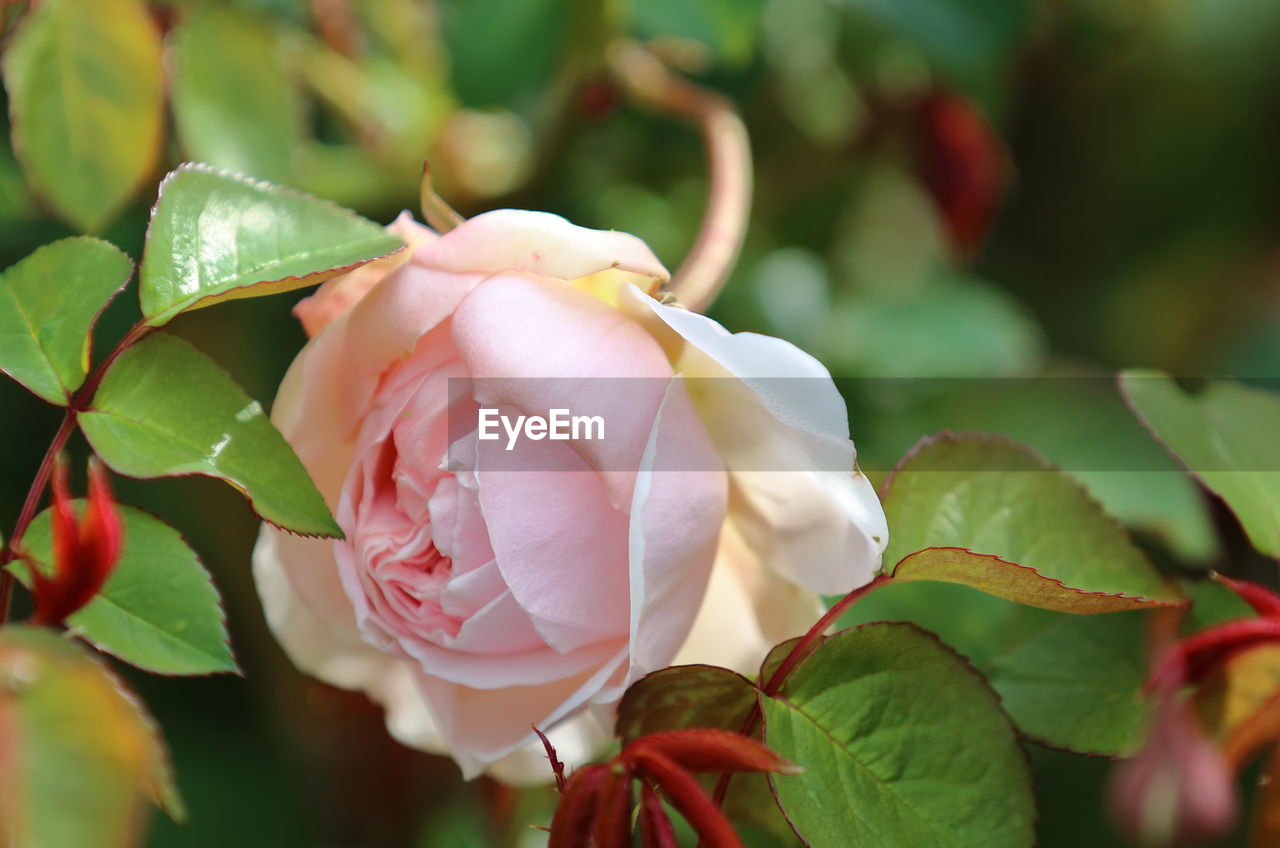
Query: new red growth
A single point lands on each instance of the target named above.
(597, 801)
(85, 550)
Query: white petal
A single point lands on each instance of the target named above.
(782, 428)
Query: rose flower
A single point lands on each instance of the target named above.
(481, 591)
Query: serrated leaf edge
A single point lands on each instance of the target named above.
(162, 318)
(1143, 599)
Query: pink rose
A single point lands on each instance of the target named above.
(481, 591)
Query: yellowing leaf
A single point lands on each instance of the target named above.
(78, 753)
(86, 101)
(1014, 582)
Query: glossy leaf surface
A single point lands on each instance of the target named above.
(164, 409)
(215, 236)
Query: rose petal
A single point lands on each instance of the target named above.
(507, 240)
(781, 427)
(600, 363)
(335, 297)
(675, 525)
(319, 632)
(560, 544)
(483, 726)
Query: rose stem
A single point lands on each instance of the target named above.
(41, 480)
(649, 81)
(798, 652)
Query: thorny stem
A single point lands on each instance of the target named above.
(724, 223)
(41, 481)
(802, 648)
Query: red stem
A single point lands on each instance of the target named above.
(41, 481)
(799, 651)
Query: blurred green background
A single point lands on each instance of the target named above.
(945, 188)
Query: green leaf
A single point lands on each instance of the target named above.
(1226, 436)
(1012, 582)
(164, 409)
(910, 737)
(1079, 421)
(85, 97)
(233, 102)
(1067, 681)
(48, 305)
(684, 696)
(992, 496)
(80, 752)
(215, 236)
(158, 610)
(15, 200)
(780, 652)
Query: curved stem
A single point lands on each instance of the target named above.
(802, 648)
(805, 644)
(41, 480)
(724, 223)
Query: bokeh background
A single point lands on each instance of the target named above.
(945, 188)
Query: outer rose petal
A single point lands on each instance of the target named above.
(393, 684)
(576, 740)
(482, 726)
(508, 240)
(814, 522)
(328, 388)
(338, 295)
(676, 520)
(319, 633)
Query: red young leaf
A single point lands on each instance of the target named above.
(1196, 657)
(687, 796)
(84, 552)
(613, 809)
(656, 830)
(707, 750)
(65, 533)
(556, 766)
(1264, 601)
(571, 825)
